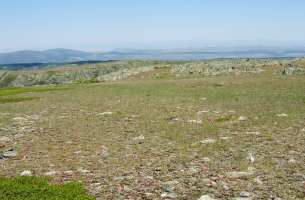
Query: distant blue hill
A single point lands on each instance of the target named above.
(68, 55)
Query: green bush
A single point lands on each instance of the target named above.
(37, 188)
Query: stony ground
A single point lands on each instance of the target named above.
(160, 137)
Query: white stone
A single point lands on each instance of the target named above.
(10, 154)
(244, 194)
(141, 137)
(239, 174)
(105, 113)
(193, 121)
(26, 173)
(282, 115)
(206, 197)
(50, 173)
(251, 157)
(208, 141)
(84, 171)
(243, 118)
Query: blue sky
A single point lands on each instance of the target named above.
(107, 24)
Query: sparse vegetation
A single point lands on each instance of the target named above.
(147, 137)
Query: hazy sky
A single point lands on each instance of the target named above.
(107, 24)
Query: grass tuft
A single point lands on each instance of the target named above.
(37, 188)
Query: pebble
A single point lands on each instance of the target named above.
(104, 152)
(50, 173)
(193, 121)
(84, 171)
(208, 141)
(206, 197)
(139, 140)
(19, 135)
(251, 157)
(238, 175)
(202, 112)
(68, 173)
(243, 118)
(105, 113)
(282, 115)
(5, 139)
(244, 194)
(10, 154)
(258, 181)
(170, 195)
(26, 173)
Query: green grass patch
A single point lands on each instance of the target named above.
(16, 90)
(16, 99)
(37, 188)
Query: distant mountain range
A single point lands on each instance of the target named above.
(68, 55)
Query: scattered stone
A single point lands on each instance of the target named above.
(243, 118)
(83, 171)
(251, 157)
(226, 187)
(244, 194)
(238, 175)
(203, 99)
(202, 112)
(118, 178)
(290, 69)
(26, 173)
(208, 141)
(206, 197)
(170, 195)
(174, 118)
(253, 133)
(4, 139)
(258, 181)
(68, 173)
(149, 177)
(282, 115)
(139, 140)
(126, 188)
(193, 121)
(19, 135)
(104, 152)
(169, 186)
(105, 113)
(292, 161)
(10, 153)
(50, 173)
